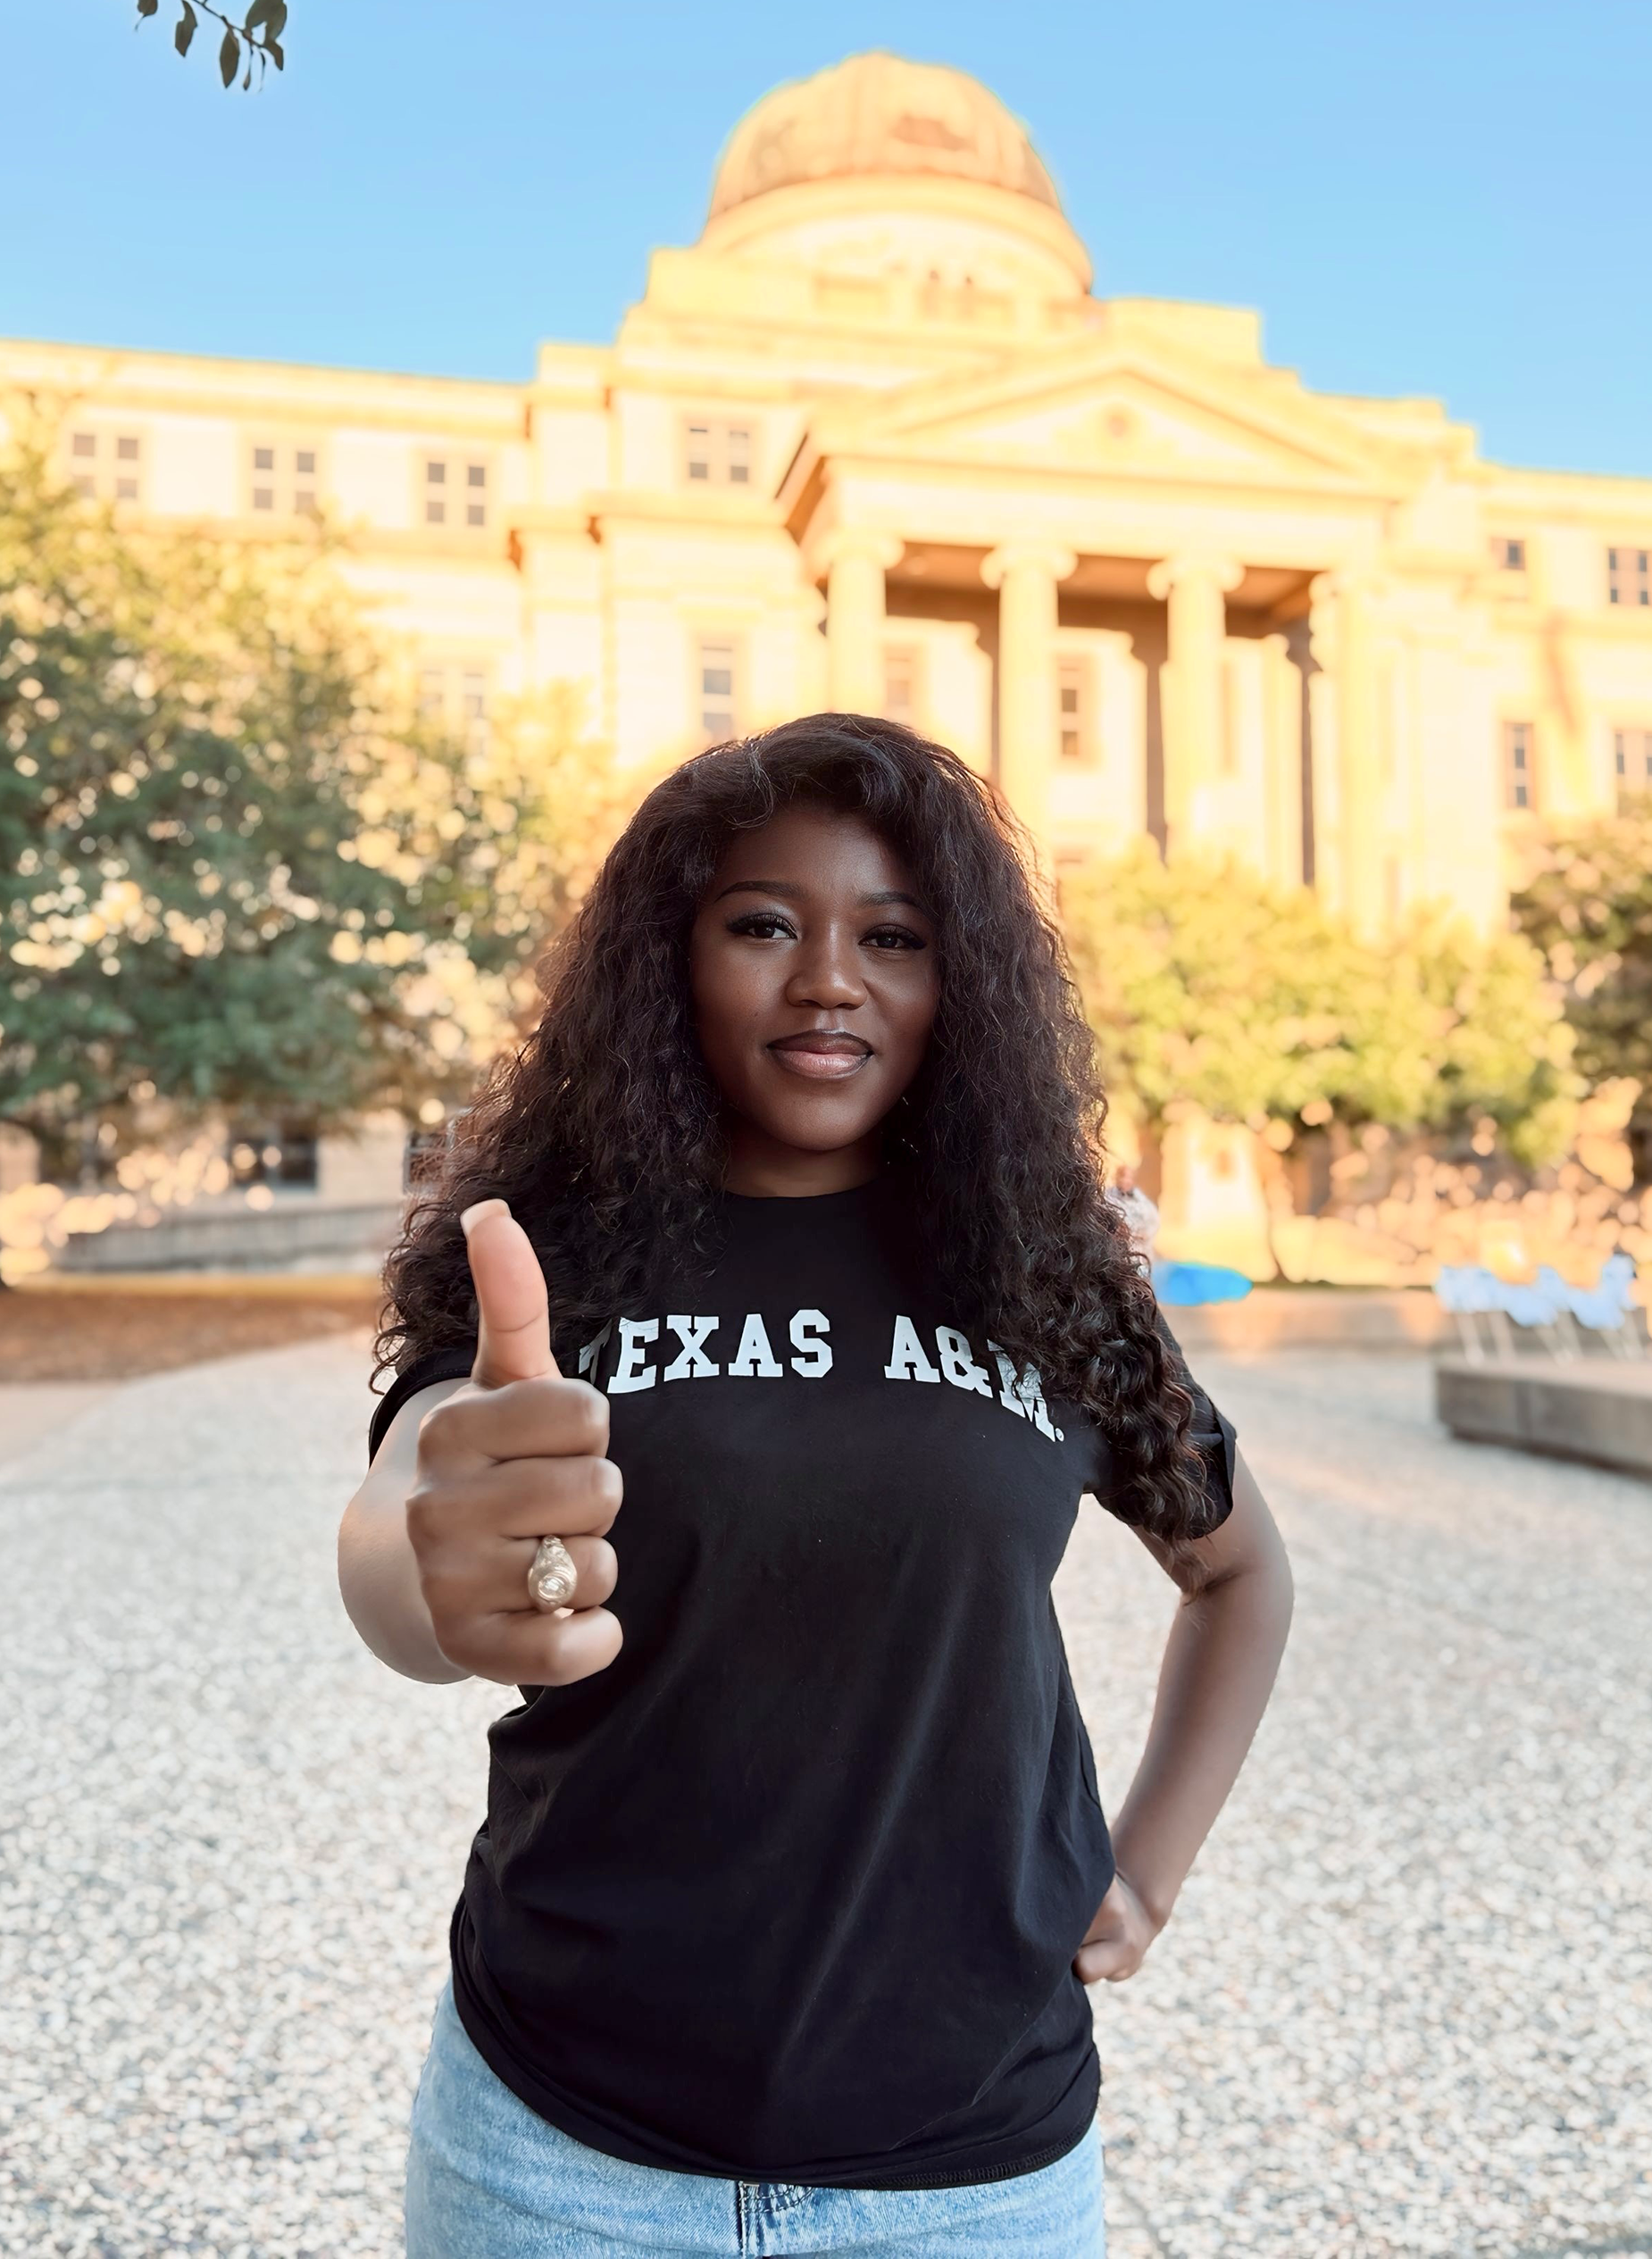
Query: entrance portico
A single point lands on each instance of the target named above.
(1107, 695)
(1122, 590)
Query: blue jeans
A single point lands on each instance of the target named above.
(489, 2179)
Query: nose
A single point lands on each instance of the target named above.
(827, 973)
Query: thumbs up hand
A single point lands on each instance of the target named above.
(515, 1455)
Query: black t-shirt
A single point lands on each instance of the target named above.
(791, 1891)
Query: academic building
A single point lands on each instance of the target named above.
(873, 442)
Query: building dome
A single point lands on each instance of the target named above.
(877, 114)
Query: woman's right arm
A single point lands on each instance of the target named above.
(377, 1569)
(435, 1548)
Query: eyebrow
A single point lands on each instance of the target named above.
(879, 901)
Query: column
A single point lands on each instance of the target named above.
(1026, 575)
(856, 559)
(1194, 585)
(1360, 827)
(1283, 694)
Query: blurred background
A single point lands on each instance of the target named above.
(421, 427)
(938, 389)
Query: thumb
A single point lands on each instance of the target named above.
(512, 1316)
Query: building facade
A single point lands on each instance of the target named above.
(871, 443)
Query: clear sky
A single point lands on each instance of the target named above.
(1440, 197)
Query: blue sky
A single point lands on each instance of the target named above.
(1442, 196)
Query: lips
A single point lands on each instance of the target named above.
(822, 1054)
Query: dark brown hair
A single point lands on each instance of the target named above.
(602, 1131)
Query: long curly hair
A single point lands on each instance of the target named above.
(603, 1132)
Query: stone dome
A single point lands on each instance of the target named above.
(878, 114)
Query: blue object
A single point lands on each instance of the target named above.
(1183, 1286)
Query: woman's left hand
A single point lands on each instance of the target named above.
(1116, 1942)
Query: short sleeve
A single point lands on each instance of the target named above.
(452, 1364)
(1210, 1432)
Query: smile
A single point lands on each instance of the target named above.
(829, 1056)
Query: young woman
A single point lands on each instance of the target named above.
(787, 1218)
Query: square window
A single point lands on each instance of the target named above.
(436, 474)
(739, 456)
(717, 691)
(263, 458)
(1632, 758)
(125, 489)
(303, 502)
(303, 462)
(1629, 576)
(435, 513)
(87, 488)
(1070, 708)
(1519, 765)
(432, 690)
(126, 450)
(475, 515)
(476, 474)
(472, 695)
(263, 498)
(84, 443)
(1510, 555)
(900, 685)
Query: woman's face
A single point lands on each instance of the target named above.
(812, 969)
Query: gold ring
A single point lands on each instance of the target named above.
(552, 1576)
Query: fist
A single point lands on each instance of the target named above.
(516, 1454)
(1116, 1942)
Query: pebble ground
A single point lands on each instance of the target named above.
(1405, 2008)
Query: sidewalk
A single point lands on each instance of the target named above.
(1400, 2014)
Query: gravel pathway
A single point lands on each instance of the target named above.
(1405, 2008)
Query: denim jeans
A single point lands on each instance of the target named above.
(489, 2179)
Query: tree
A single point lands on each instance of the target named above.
(1205, 984)
(1588, 906)
(252, 37)
(237, 876)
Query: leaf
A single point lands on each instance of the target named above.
(275, 21)
(148, 7)
(185, 31)
(229, 58)
(271, 48)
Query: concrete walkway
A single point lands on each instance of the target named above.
(1403, 2010)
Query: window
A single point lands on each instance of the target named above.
(274, 1154)
(1519, 765)
(1629, 576)
(1508, 554)
(285, 480)
(1070, 705)
(1632, 761)
(454, 698)
(455, 492)
(716, 692)
(900, 687)
(718, 454)
(104, 466)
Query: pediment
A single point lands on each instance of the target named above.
(1127, 413)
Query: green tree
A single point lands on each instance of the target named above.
(1588, 906)
(253, 37)
(237, 876)
(1205, 984)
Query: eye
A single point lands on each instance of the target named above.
(893, 937)
(763, 925)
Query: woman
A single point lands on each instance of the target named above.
(776, 1936)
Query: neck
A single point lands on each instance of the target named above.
(762, 1169)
